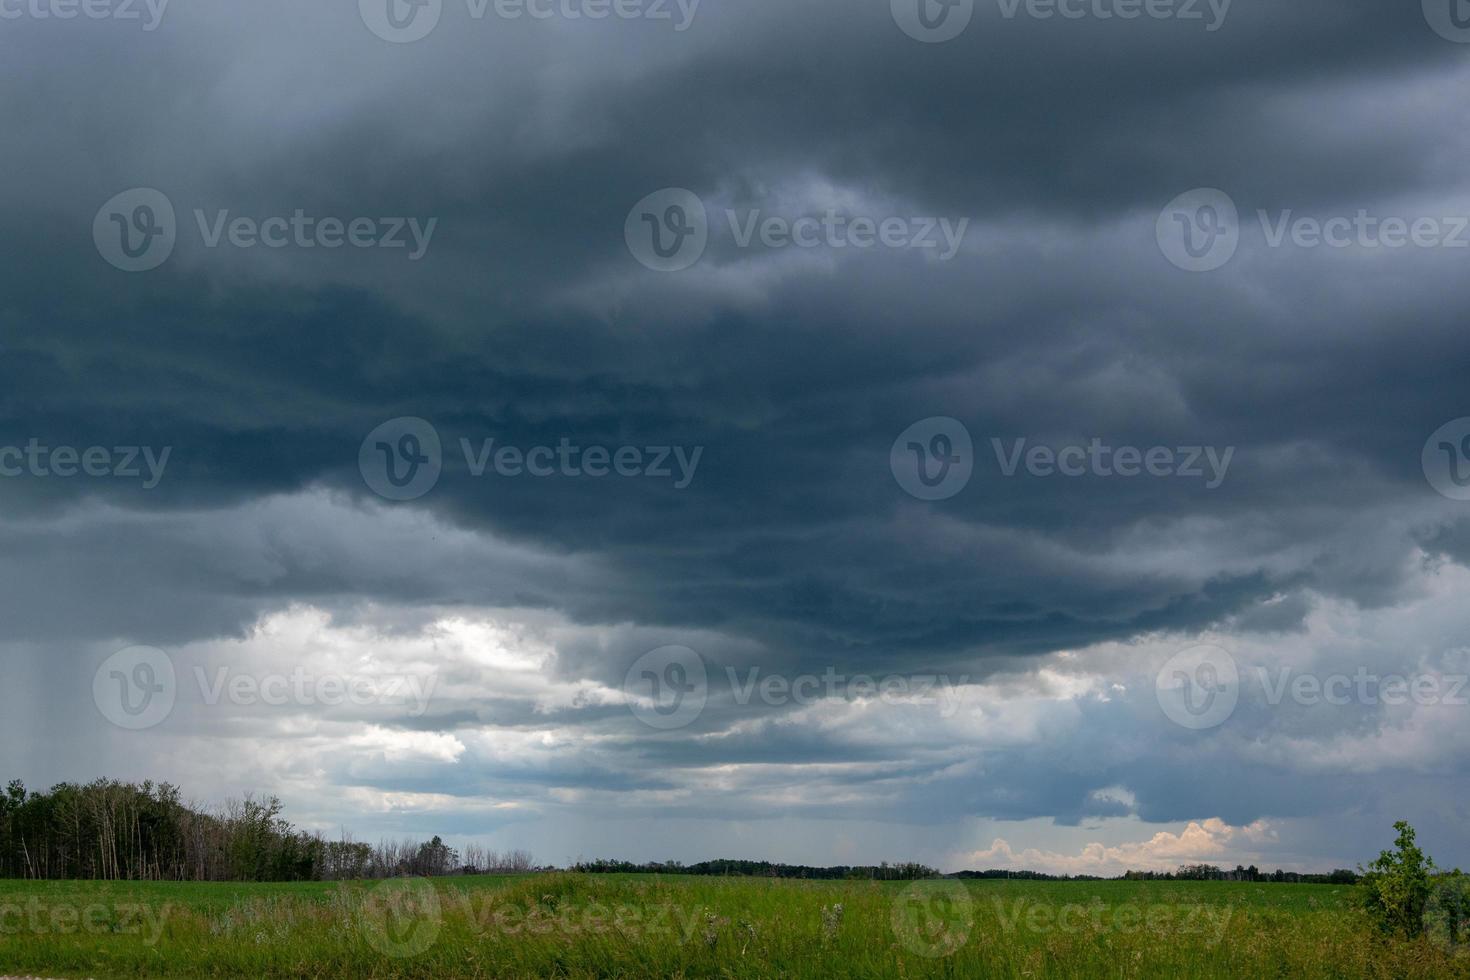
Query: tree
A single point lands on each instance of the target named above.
(1395, 888)
(1447, 914)
(434, 858)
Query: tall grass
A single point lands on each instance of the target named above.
(566, 925)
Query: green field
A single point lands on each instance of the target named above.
(637, 926)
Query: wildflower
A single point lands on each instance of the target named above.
(831, 920)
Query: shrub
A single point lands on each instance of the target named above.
(1395, 888)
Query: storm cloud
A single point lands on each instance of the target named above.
(706, 457)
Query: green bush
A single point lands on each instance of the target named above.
(1395, 888)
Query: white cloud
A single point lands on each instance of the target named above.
(1209, 841)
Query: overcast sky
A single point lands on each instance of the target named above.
(1094, 383)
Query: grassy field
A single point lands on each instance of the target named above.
(637, 926)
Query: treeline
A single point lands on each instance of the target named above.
(1023, 875)
(910, 872)
(761, 869)
(145, 832)
(1209, 872)
(124, 831)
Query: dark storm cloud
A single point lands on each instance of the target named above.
(527, 321)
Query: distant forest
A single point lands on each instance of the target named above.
(145, 832)
(908, 872)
